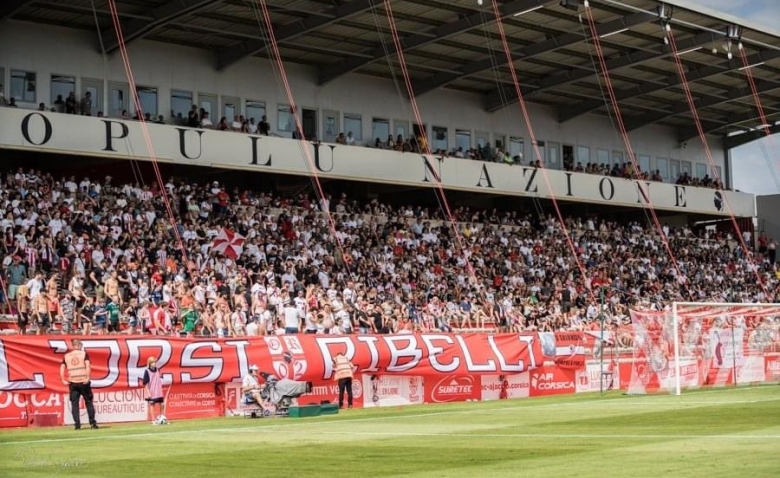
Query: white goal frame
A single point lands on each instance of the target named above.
(676, 325)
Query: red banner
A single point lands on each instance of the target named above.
(552, 381)
(31, 364)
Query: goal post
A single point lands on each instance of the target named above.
(704, 344)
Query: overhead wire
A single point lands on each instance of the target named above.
(682, 278)
(145, 128)
(426, 147)
(278, 62)
(525, 113)
(708, 153)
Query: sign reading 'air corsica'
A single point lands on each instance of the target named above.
(112, 138)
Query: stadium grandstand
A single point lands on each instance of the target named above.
(202, 167)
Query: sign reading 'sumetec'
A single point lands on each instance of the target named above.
(20, 129)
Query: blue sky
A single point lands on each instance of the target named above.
(756, 167)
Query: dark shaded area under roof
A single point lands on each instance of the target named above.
(455, 44)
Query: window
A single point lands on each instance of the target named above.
(583, 155)
(285, 121)
(380, 129)
(353, 124)
(662, 165)
(720, 174)
(463, 139)
(685, 167)
(602, 157)
(701, 170)
(181, 104)
(62, 86)
(438, 138)
(617, 158)
(644, 162)
(499, 140)
(255, 110)
(517, 147)
(23, 86)
(147, 96)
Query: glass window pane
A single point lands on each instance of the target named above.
(463, 139)
(644, 162)
(516, 147)
(63, 86)
(380, 130)
(662, 165)
(117, 100)
(181, 104)
(701, 170)
(285, 121)
(439, 138)
(148, 99)
(583, 155)
(617, 158)
(552, 156)
(602, 156)
(353, 124)
(23, 86)
(255, 110)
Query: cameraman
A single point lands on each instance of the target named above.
(251, 385)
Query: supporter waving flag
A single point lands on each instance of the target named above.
(228, 243)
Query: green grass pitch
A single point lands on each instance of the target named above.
(729, 433)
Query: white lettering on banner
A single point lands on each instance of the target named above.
(373, 350)
(489, 366)
(409, 351)
(243, 360)
(434, 351)
(214, 363)
(37, 383)
(159, 348)
(324, 342)
(114, 353)
(18, 400)
(52, 132)
(546, 381)
(505, 367)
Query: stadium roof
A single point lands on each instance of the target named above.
(455, 44)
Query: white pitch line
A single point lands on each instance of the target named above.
(528, 406)
(533, 435)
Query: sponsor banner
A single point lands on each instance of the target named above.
(453, 388)
(113, 138)
(593, 379)
(31, 364)
(772, 368)
(194, 400)
(111, 407)
(391, 390)
(16, 410)
(329, 392)
(503, 387)
(552, 381)
(565, 349)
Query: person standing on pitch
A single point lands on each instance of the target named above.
(154, 392)
(344, 374)
(76, 363)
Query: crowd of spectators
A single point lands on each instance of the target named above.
(100, 257)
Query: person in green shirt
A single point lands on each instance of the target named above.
(113, 317)
(189, 319)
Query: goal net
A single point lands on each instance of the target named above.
(692, 345)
